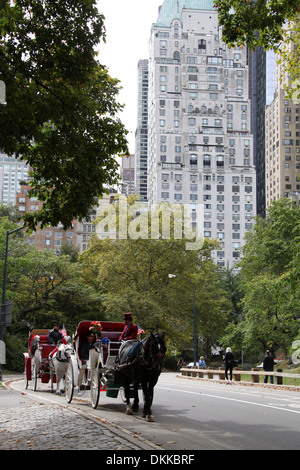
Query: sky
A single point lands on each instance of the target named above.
(128, 27)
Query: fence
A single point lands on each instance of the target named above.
(219, 374)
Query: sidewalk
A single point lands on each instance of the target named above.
(29, 425)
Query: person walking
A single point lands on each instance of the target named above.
(229, 364)
(268, 366)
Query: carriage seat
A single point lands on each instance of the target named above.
(47, 349)
(113, 336)
(43, 334)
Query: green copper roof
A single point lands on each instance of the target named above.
(172, 9)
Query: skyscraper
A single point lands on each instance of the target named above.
(282, 142)
(12, 172)
(262, 89)
(200, 142)
(141, 136)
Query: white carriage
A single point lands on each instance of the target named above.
(99, 373)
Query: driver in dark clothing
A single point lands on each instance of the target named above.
(55, 336)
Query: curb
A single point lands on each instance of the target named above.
(292, 388)
(111, 427)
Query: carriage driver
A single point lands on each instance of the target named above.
(55, 336)
(130, 330)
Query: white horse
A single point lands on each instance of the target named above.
(58, 363)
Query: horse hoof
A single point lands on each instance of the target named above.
(58, 393)
(129, 412)
(150, 419)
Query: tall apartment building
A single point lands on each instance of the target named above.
(200, 141)
(282, 127)
(141, 135)
(49, 238)
(12, 172)
(127, 172)
(262, 89)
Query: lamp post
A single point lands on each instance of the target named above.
(171, 276)
(2, 317)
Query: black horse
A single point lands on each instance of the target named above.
(142, 363)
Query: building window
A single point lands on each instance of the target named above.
(202, 45)
(193, 160)
(206, 161)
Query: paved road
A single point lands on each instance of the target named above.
(215, 416)
(42, 424)
(191, 415)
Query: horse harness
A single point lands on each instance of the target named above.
(58, 355)
(150, 356)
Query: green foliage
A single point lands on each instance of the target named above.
(134, 275)
(45, 287)
(255, 22)
(272, 24)
(270, 278)
(61, 109)
(16, 345)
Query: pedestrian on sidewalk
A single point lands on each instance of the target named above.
(268, 366)
(229, 364)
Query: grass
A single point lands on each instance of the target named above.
(285, 366)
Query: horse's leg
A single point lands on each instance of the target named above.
(151, 384)
(151, 393)
(51, 378)
(147, 402)
(135, 405)
(58, 380)
(63, 379)
(127, 395)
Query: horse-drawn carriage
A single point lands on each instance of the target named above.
(45, 361)
(37, 358)
(89, 375)
(113, 366)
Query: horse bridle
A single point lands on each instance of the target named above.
(153, 357)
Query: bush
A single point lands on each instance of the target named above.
(171, 362)
(15, 346)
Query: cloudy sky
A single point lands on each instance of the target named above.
(128, 26)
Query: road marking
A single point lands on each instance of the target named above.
(229, 399)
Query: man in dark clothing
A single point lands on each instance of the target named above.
(268, 366)
(229, 364)
(55, 336)
(87, 346)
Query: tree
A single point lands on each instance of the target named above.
(270, 278)
(272, 24)
(45, 287)
(61, 111)
(133, 272)
(255, 22)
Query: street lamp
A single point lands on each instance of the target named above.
(3, 310)
(171, 276)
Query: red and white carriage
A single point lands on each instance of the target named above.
(99, 373)
(37, 358)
